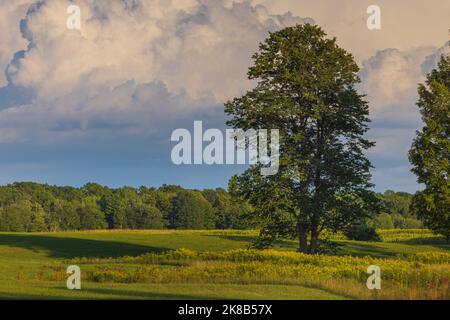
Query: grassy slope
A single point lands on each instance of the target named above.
(22, 256)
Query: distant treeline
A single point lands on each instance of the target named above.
(31, 207)
(396, 213)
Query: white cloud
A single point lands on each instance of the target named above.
(132, 63)
(406, 24)
(197, 46)
(431, 61)
(139, 67)
(11, 12)
(391, 77)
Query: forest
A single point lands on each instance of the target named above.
(32, 207)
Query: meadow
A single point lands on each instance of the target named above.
(415, 264)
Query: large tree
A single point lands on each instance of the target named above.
(305, 87)
(430, 151)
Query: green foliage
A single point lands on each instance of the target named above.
(191, 211)
(230, 213)
(32, 207)
(148, 217)
(37, 223)
(397, 206)
(22, 216)
(397, 202)
(91, 217)
(362, 232)
(306, 89)
(383, 221)
(35, 207)
(430, 150)
(14, 217)
(409, 223)
(327, 246)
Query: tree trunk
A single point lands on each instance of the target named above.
(303, 238)
(314, 241)
(316, 211)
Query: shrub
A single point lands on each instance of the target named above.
(362, 232)
(327, 246)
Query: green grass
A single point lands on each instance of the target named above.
(48, 290)
(116, 244)
(28, 263)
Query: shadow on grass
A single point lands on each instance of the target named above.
(364, 249)
(64, 247)
(102, 294)
(439, 241)
(251, 239)
(139, 295)
(243, 238)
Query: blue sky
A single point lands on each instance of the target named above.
(99, 104)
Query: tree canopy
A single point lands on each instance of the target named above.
(306, 89)
(31, 207)
(430, 150)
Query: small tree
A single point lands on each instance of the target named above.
(430, 151)
(305, 88)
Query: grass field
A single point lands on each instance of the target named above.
(415, 264)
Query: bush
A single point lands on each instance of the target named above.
(326, 246)
(362, 232)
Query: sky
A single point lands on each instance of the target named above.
(100, 103)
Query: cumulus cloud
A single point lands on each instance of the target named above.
(391, 76)
(390, 79)
(432, 60)
(11, 12)
(406, 24)
(138, 68)
(132, 63)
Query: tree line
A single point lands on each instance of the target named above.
(32, 207)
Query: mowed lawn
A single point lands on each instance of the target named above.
(28, 263)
